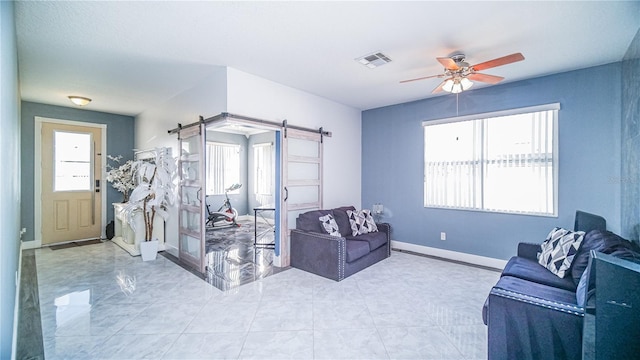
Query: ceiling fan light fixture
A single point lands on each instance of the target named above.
(79, 100)
(448, 85)
(457, 88)
(466, 83)
(457, 85)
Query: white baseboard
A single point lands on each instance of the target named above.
(34, 244)
(16, 307)
(277, 261)
(169, 248)
(451, 255)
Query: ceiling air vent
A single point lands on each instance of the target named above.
(374, 60)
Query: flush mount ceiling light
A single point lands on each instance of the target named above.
(374, 60)
(79, 100)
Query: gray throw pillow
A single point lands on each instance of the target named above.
(329, 225)
(559, 249)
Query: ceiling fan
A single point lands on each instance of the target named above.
(459, 74)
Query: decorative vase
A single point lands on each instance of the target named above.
(149, 250)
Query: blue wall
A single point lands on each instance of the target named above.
(9, 181)
(120, 141)
(589, 161)
(631, 141)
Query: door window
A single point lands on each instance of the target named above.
(72, 165)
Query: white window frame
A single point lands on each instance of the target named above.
(210, 176)
(262, 177)
(478, 201)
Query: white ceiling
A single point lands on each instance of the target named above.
(131, 56)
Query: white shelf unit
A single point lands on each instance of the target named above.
(127, 238)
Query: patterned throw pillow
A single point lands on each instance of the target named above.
(329, 224)
(559, 249)
(361, 222)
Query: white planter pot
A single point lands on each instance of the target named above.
(149, 250)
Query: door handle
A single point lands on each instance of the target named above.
(286, 191)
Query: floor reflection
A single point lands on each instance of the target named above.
(232, 258)
(72, 306)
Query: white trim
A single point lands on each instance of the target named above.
(451, 255)
(16, 307)
(524, 110)
(37, 174)
(484, 119)
(32, 244)
(277, 261)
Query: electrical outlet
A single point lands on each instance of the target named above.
(443, 236)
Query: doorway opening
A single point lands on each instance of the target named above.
(243, 181)
(240, 200)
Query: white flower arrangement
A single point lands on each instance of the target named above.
(155, 191)
(121, 177)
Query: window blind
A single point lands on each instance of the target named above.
(503, 163)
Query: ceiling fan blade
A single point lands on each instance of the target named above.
(498, 62)
(421, 78)
(438, 88)
(448, 63)
(491, 79)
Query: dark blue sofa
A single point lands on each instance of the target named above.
(532, 313)
(315, 251)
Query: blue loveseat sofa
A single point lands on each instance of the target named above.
(336, 257)
(533, 314)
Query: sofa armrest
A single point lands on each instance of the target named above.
(320, 254)
(522, 326)
(386, 228)
(528, 250)
(568, 308)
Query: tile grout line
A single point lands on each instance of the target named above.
(373, 321)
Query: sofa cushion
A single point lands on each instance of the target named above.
(309, 221)
(329, 225)
(356, 249)
(559, 249)
(340, 215)
(598, 240)
(361, 222)
(375, 239)
(530, 270)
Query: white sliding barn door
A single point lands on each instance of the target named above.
(191, 244)
(301, 181)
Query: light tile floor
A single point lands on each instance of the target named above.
(97, 302)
